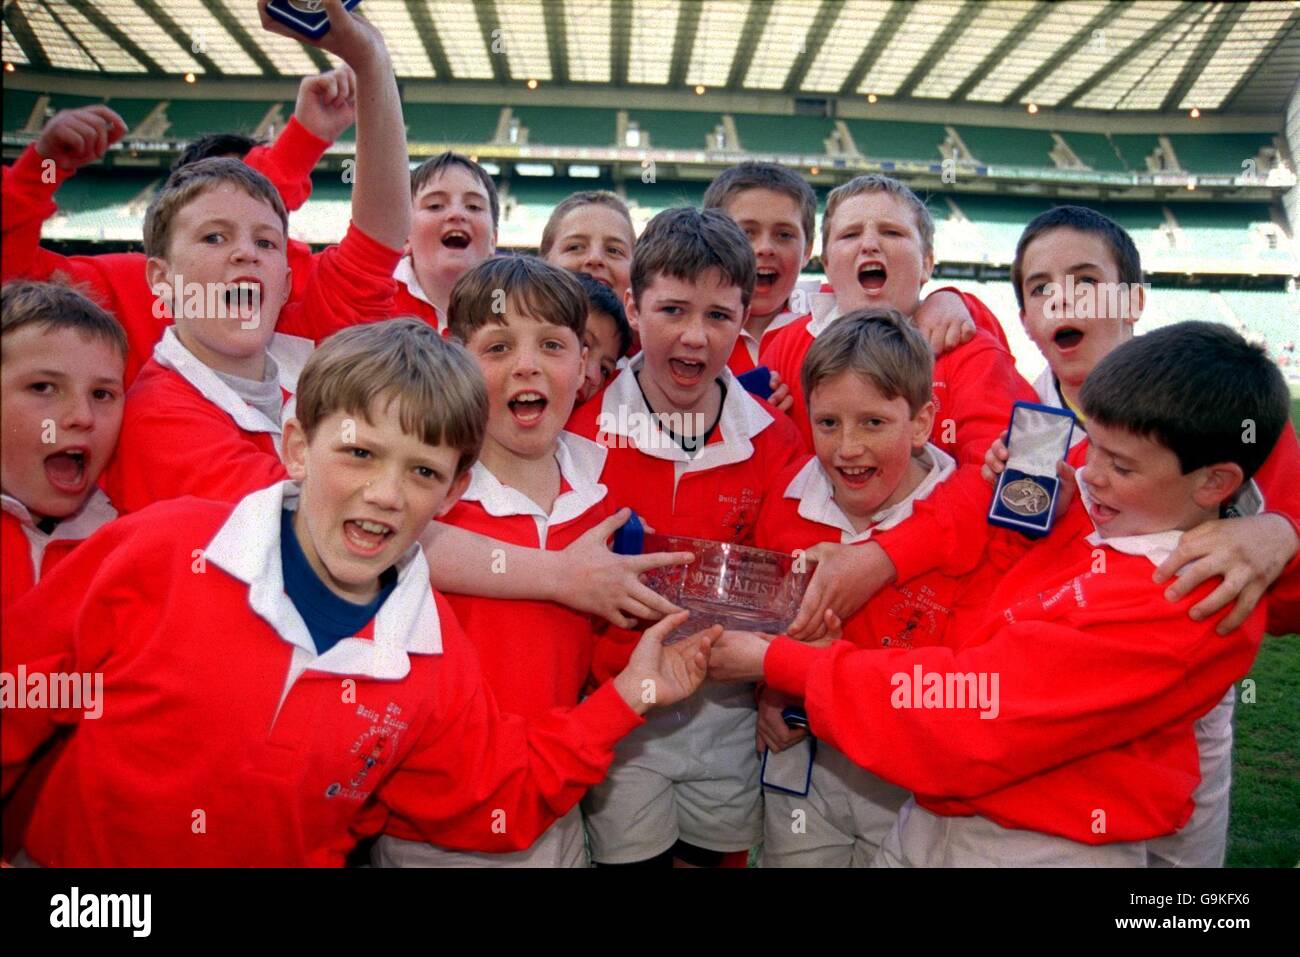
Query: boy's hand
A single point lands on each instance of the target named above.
(327, 102)
(738, 656)
(773, 733)
(780, 397)
(659, 675)
(598, 582)
(74, 138)
(995, 460)
(350, 38)
(944, 320)
(1250, 553)
(845, 577)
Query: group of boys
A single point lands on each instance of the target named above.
(237, 515)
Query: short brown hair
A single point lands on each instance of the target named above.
(587, 197)
(435, 166)
(879, 183)
(186, 183)
(535, 287)
(53, 307)
(751, 174)
(439, 389)
(685, 242)
(880, 345)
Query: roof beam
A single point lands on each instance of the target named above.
(620, 28)
(101, 22)
(945, 41)
(1000, 52)
(246, 42)
(893, 20)
(183, 39)
(755, 20)
(429, 35)
(1196, 62)
(1137, 46)
(22, 31)
(72, 34)
(493, 40)
(1062, 56)
(688, 25)
(1249, 75)
(817, 33)
(556, 39)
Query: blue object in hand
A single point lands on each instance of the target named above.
(630, 538)
(307, 17)
(757, 382)
(794, 717)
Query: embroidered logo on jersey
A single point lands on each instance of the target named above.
(918, 617)
(738, 511)
(371, 751)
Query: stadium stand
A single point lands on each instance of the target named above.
(1008, 147)
(879, 139)
(676, 130)
(1221, 153)
(765, 133)
(568, 126)
(449, 123)
(1134, 148)
(1096, 151)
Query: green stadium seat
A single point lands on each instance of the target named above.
(93, 205)
(1096, 151)
(768, 133)
(1004, 146)
(1217, 153)
(568, 126)
(1273, 316)
(676, 130)
(193, 118)
(1000, 221)
(132, 111)
(1220, 231)
(1135, 148)
(18, 106)
(882, 140)
(450, 123)
(665, 195)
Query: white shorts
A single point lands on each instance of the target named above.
(922, 839)
(846, 815)
(561, 845)
(1203, 840)
(689, 772)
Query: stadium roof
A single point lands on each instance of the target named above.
(1148, 55)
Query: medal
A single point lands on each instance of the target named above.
(1025, 497)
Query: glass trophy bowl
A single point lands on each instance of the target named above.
(735, 586)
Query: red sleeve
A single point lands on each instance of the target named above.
(1279, 479)
(352, 283)
(983, 316)
(480, 780)
(28, 195)
(288, 162)
(48, 632)
(982, 386)
(170, 448)
(1066, 688)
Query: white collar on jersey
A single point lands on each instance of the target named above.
(405, 274)
(626, 419)
(816, 495)
(171, 354)
(824, 311)
(581, 462)
(1154, 546)
(95, 512)
(248, 548)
